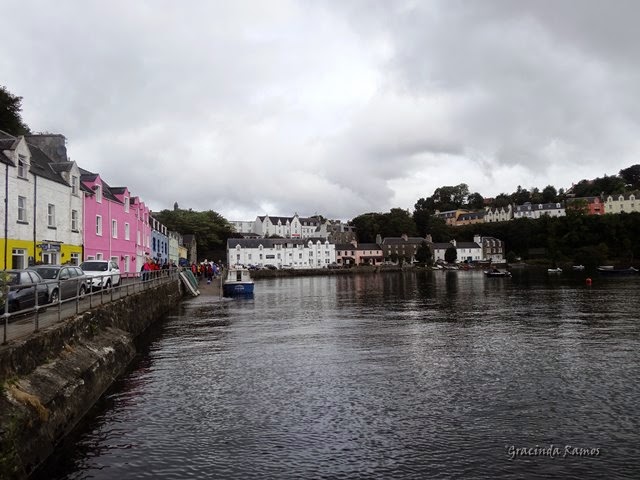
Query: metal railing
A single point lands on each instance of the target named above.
(22, 322)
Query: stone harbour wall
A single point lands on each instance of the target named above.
(49, 380)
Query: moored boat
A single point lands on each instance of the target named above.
(608, 270)
(578, 268)
(554, 270)
(238, 283)
(497, 273)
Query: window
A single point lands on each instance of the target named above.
(51, 216)
(98, 225)
(22, 166)
(126, 204)
(114, 229)
(99, 256)
(74, 220)
(19, 258)
(75, 258)
(98, 190)
(138, 239)
(126, 263)
(74, 185)
(126, 231)
(22, 209)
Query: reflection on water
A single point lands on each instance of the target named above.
(404, 375)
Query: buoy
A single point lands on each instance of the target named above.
(588, 281)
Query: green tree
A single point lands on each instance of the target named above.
(10, 117)
(423, 253)
(549, 194)
(475, 201)
(451, 254)
(631, 176)
(367, 227)
(210, 229)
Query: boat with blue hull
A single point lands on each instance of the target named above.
(238, 283)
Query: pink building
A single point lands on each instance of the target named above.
(116, 226)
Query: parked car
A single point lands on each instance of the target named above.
(63, 281)
(102, 273)
(270, 267)
(24, 285)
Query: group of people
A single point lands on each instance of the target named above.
(154, 265)
(207, 269)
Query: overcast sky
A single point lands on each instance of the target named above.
(333, 107)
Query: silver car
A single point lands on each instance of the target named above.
(63, 281)
(103, 273)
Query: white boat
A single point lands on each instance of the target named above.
(578, 268)
(238, 282)
(554, 270)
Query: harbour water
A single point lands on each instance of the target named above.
(398, 375)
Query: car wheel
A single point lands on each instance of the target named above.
(83, 291)
(107, 285)
(55, 297)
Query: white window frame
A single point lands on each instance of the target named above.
(126, 204)
(22, 209)
(22, 166)
(127, 260)
(75, 258)
(74, 220)
(99, 225)
(74, 185)
(99, 256)
(98, 194)
(19, 254)
(51, 215)
(126, 231)
(114, 228)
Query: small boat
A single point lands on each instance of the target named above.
(238, 283)
(497, 273)
(554, 270)
(609, 270)
(578, 268)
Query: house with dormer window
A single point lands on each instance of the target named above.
(622, 202)
(42, 216)
(537, 210)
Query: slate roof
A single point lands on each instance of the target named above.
(87, 176)
(532, 207)
(470, 216)
(402, 241)
(41, 166)
(270, 242)
(7, 142)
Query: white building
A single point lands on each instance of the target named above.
(43, 209)
(469, 251)
(281, 252)
(498, 214)
(290, 227)
(619, 203)
(529, 210)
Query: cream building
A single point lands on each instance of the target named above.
(619, 203)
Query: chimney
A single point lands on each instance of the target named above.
(453, 242)
(379, 239)
(53, 144)
(428, 238)
(477, 239)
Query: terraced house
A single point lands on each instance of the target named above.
(42, 209)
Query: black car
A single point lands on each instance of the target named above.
(64, 281)
(23, 285)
